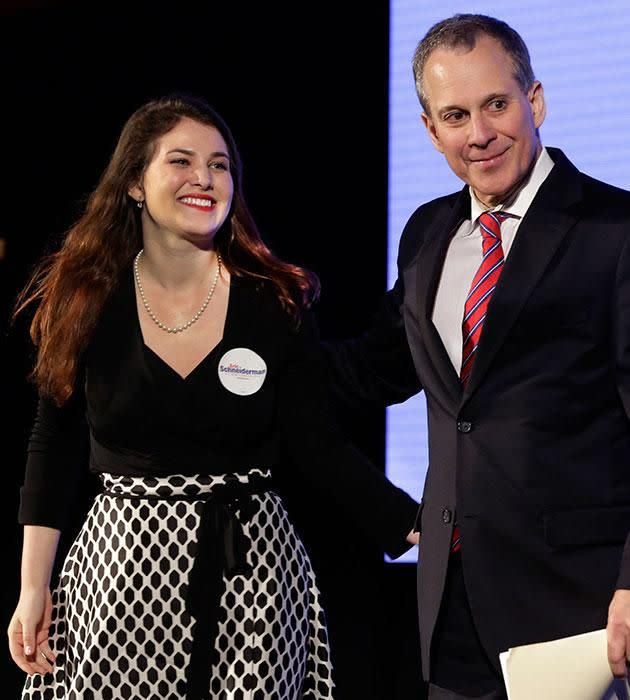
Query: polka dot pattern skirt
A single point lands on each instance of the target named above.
(120, 625)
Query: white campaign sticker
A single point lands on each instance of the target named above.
(242, 371)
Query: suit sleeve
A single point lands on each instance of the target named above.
(375, 369)
(326, 462)
(622, 359)
(56, 453)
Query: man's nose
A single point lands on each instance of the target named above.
(481, 131)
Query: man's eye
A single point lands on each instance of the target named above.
(498, 104)
(454, 117)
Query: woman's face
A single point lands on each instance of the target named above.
(187, 187)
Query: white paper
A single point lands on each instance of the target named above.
(573, 668)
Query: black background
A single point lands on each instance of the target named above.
(304, 90)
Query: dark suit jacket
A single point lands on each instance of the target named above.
(533, 456)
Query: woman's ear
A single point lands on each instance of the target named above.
(136, 192)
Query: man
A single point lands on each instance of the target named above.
(516, 323)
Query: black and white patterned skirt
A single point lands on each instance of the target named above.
(122, 627)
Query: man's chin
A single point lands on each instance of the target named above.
(490, 194)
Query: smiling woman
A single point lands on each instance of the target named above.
(187, 187)
(185, 193)
(167, 326)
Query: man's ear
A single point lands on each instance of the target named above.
(536, 97)
(430, 126)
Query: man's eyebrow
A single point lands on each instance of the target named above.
(190, 152)
(449, 108)
(488, 98)
(495, 96)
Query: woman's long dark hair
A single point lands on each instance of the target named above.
(72, 285)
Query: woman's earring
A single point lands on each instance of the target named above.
(139, 205)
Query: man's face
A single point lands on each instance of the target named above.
(480, 119)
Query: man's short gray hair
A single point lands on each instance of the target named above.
(463, 30)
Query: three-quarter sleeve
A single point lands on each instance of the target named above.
(55, 461)
(326, 461)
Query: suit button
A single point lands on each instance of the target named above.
(464, 426)
(447, 516)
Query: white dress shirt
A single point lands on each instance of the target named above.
(465, 253)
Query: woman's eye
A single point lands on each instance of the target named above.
(180, 161)
(219, 165)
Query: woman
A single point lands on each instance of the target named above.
(166, 323)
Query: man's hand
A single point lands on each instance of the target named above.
(618, 632)
(414, 538)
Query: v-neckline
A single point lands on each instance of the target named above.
(206, 357)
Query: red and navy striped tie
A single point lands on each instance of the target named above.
(476, 305)
(483, 284)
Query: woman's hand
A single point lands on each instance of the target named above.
(28, 632)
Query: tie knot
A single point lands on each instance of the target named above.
(490, 223)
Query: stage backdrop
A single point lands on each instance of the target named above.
(581, 54)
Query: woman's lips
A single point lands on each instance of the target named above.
(200, 203)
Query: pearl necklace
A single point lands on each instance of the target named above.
(154, 318)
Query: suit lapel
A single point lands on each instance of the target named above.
(543, 228)
(428, 271)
